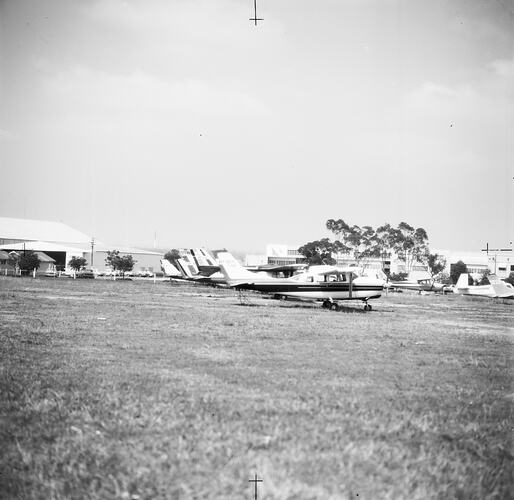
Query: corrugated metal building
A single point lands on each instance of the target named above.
(20, 230)
(61, 242)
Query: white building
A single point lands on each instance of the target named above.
(276, 255)
(497, 261)
(61, 242)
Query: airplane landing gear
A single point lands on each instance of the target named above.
(328, 304)
(367, 307)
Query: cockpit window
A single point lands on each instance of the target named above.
(332, 278)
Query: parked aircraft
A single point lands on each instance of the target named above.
(169, 269)
(327, 284)
(422, 285)
(201, 266)
(496, 289)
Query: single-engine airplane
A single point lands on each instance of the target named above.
(421, 285)
(327, 284)
(496, 289)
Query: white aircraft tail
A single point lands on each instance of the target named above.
(203, 257)
(187, 270)
(233, 270)
(463, 281)
(169, 269)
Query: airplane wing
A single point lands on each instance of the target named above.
(333, 270)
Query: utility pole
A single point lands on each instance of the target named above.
(92, 249)
(495, 250)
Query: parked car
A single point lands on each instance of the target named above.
(85, 273)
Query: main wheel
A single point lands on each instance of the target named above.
(334, 307)
(326, 304)
(367, 307)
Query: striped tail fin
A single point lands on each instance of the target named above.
(233, 270)
(169, 269)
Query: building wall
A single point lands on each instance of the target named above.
(7, 241)
(149, 262)
(500, 263)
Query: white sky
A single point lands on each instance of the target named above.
(122, 118)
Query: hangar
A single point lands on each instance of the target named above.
(61, 242)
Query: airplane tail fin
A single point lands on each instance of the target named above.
(203, 257)
(232, 269)
(463, 281)
(185, 268)
(168, 268)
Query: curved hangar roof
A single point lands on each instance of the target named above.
(35, 230)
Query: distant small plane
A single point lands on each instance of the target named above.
(496, 289)
(421, 285)
(327, 284)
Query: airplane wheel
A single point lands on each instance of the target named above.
(334, 307)
(326, 304)
(367, 307)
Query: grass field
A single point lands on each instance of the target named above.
(137, 390)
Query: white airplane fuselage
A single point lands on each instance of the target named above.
(496, 289)
(422, 286)
(357, 288)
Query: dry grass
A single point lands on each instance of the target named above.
(135, 390)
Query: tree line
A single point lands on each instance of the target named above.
(407, 243)
(117, 262)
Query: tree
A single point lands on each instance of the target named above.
(360, 242)
(398, 276)
(13, 260)
(172, 256)
(456, 270)
(484, 279)
(120, 263)
(126, 264)
(112, 258)
(409, 244)
(383, 242)
(444, 278)
(338, 227)
(436, 264)
(77, 263)
(320, 251)
(28, 261)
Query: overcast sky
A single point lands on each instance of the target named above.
(122, 118)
